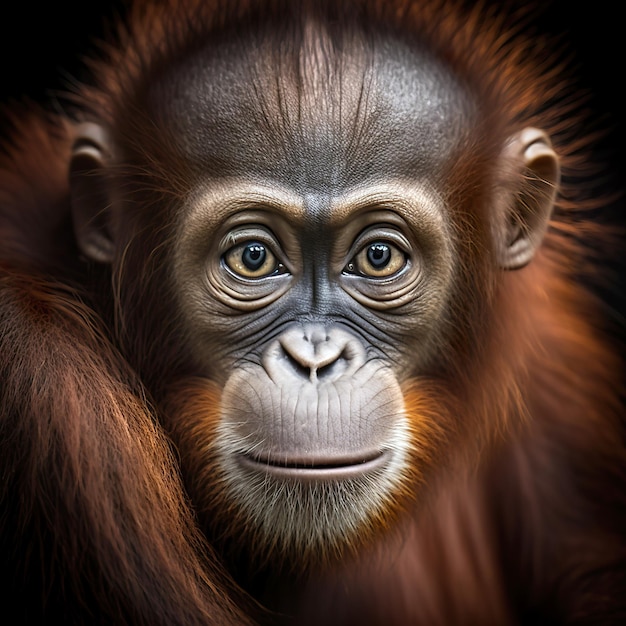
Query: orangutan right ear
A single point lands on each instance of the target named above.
(90, 195)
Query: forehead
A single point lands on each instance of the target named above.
(312, 108)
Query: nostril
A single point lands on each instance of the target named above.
(297, 366)
(334, 369)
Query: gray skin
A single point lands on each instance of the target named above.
(312, 261)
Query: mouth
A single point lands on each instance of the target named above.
(318, 468)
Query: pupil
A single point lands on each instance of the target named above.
(253, 256)
(378, 255)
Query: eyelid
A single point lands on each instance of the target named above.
(380, 233)
(252, 232)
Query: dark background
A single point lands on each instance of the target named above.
(41, 43)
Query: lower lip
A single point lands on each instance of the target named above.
(313, 473)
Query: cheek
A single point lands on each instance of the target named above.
(430, 425)
(192, 416)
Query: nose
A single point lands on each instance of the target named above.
(315, 352)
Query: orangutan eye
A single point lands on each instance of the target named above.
(252, 259)
(378, 259)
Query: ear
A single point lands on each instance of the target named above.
(535, 167)
(90, 194)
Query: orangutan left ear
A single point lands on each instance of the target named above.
(530, 201)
